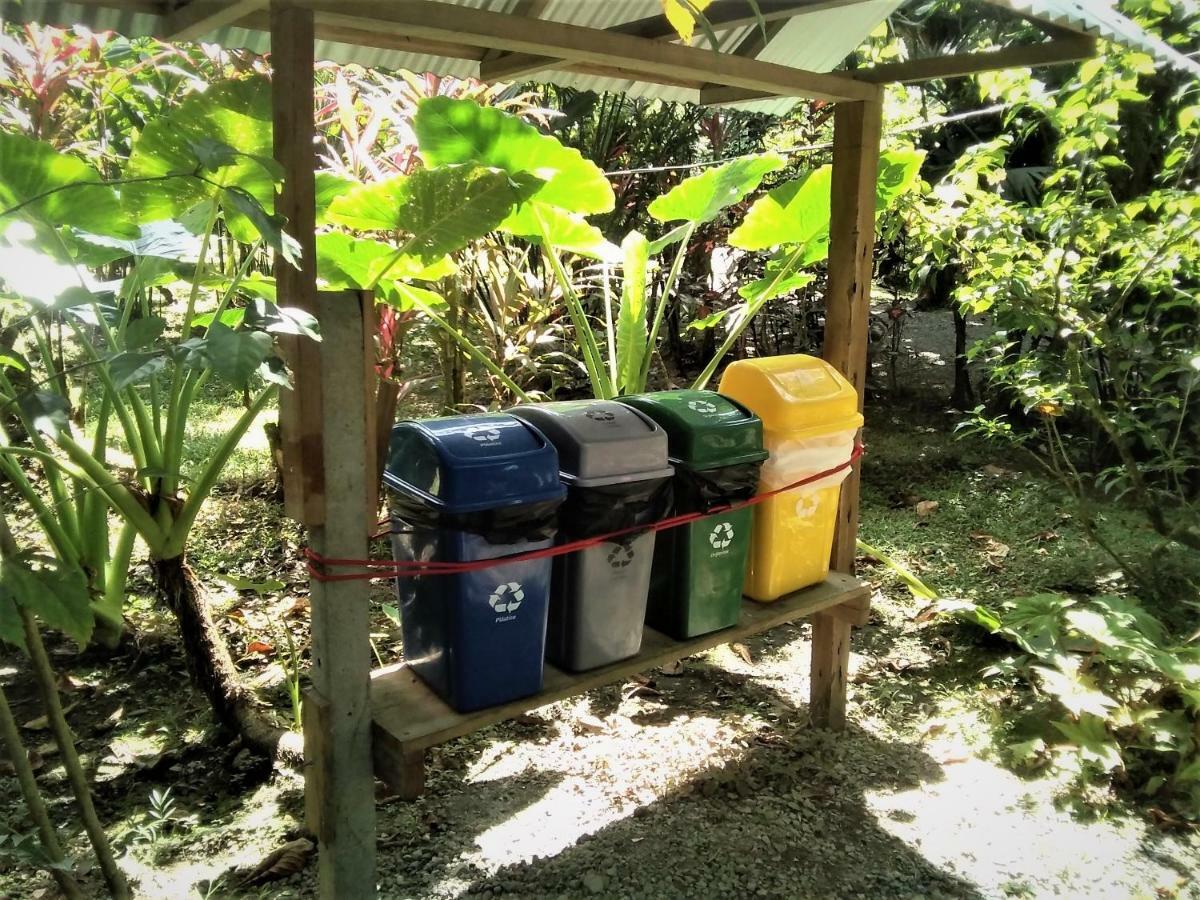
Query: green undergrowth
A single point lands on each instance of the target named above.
(1037, 647)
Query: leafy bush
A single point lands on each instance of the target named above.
(1124, 697)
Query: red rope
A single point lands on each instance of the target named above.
(318, 565)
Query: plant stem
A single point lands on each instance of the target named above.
(661, 307)
(44, 675)
(34, 804)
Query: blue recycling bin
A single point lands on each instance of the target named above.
(466, 488)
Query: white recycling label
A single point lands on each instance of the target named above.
(506, 598)
(721, 536)
(702, 406)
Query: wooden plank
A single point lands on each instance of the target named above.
(960, 64)
(341, 656)
(363, 37)
(317, 759)
(830, 661)
(409, 715)
(197, 19)
(436, 20)
(724, 15)
(857, 130)
(300, 408)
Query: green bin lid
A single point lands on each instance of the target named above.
(704, 430)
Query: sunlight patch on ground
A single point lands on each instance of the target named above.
(990, 827)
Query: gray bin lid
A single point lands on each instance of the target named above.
(600, 442)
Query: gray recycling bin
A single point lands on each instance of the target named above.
(613, 460)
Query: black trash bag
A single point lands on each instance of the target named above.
(591, 511)
(503, 525)
(701, 490)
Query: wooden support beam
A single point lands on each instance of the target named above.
(961, 64)
(338, 747)
(196, 19)
(857, 131)
(918, 70)
(656, 60)
(300, 423)
(724, 15)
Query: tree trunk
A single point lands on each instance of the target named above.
(964, 394)
(211, 665)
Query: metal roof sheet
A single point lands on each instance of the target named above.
(816, 40)
(1101, 18)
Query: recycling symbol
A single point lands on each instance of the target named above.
(703, 407)
(600, 415)
(620, 556)
(506, 598)
(482, 434)
(721, 536)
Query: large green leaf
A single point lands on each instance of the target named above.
(220, 138)
(798, 212)
(55, 593)
(701, 197)
(460, 131)
(12, 632)
(631, 318)
(568, 232)
(440, 210)
(347, 262)
(135, 367)
(51, 189)
(236, 355)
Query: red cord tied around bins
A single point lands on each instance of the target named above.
(368, 569)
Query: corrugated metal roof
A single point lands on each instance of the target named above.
(816, 41)
(1102, 19)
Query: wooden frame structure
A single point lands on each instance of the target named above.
(360, 724)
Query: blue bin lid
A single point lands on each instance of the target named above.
(461, 464)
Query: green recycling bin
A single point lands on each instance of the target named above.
(716, 447)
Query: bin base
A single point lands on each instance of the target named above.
(408, 717)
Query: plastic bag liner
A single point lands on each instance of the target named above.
(796, 458)
(590, 511)
(700, 490)
(502, 525)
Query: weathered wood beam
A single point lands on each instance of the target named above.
(340, 790)
(196, 19)
(724, 15)
(362, 37)
(657, 60)
(756, 41)
(857, 131)
(962, 64)
(300, 423)
(955, 66)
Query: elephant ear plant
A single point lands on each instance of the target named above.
(97, 388)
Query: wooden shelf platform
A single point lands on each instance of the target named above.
(408, 717)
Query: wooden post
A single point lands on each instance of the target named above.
(292, 66)
(856, 134)
(340, 782)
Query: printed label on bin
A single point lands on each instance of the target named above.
(721, 536)
(600, 415)
(703, 407)
(483, 434)
(506, 599)
(620, 556)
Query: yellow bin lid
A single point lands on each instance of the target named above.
(795, 393)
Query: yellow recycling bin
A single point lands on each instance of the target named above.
(810, 418)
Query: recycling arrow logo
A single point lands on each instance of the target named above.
(482, 434)
(721, 536)
(620, 556)
(600, 415)
(703, 407)
(506, 598)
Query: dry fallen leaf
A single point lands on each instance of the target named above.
(744, 652)
(641, 690)
(260, 647)
(673, 669)
(927, 507)
(996, 471)
(590, 724)
(281, 862)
